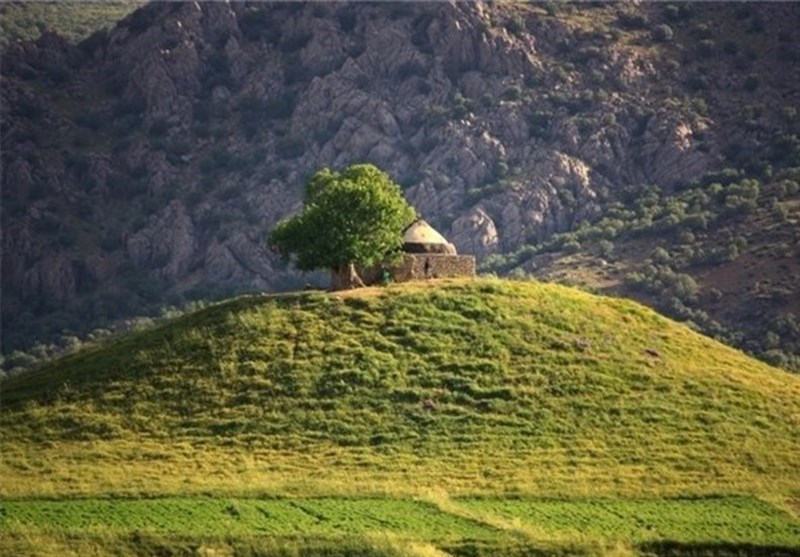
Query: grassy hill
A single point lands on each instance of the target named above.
(706, 254)
(524, 412)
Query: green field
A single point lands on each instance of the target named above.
(322, 517)
(460, 525)
(486, 416)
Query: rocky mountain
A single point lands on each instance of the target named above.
(144, 165)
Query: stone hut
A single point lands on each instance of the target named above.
(427, 254)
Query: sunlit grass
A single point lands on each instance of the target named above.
(467, 399)
(469, 387)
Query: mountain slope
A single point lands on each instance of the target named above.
(467, 387)
(144, 166)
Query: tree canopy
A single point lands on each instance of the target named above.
(351, 218)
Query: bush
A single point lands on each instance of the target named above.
(669, 286)
(571, 246)
(681, 12)
(706, 48)
(779, 358)
(687, 237)
(513, 93)
(660, 255)
(787, 188)
(632, 20)
(702, 31)
(515, 26)
(724, 177)
(662, 33)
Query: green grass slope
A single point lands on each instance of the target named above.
(470, 387)
(480, 417)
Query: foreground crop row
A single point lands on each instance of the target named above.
(743, 525)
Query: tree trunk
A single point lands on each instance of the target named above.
(346, 277)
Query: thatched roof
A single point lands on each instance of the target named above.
(421, 237)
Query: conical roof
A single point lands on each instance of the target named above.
(421, 237)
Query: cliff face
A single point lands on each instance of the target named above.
(146, 164)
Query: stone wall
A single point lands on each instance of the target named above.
(413, 267)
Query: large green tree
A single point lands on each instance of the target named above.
(353, 218)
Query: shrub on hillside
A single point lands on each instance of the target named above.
(632, 20)
(606, 248)
(702, 31)
(706, 48)
(665, 283)
(779, 358)
(679, 12)
(662, 33)
(515, 26)
(513, 93)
